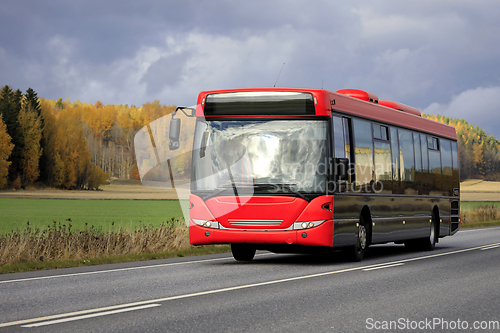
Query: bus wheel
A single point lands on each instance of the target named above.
(357, 252)
(243, 252)
(428, 243)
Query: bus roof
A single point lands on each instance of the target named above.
(327, 101)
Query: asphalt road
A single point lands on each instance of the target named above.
(454, 288)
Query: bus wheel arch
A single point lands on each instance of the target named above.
(363, 236)
(428, 243)
(366, 218)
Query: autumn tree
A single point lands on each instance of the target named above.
(30, 126)
(10, 106)
(479, 152)
(5, 149)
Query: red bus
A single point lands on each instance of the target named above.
(300, 170)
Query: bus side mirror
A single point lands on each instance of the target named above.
(174, 133)
(341, 169)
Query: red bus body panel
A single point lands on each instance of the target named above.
(400, 107)
(359, 94)
(279, 212)
(262, 208)
(321, 235)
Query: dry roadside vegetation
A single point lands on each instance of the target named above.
(481, 213)
(476, 190)
(59, 242)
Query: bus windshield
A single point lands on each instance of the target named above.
(266, 156)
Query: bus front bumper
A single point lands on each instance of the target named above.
(321, 235)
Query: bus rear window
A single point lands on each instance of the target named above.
(260, 103)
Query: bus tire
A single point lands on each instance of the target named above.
(428, 243)
(357, 252)
(243, 252)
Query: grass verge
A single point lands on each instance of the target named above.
(39, 266)
(471, 205)
(480, 224)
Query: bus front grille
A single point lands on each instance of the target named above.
(254, 223)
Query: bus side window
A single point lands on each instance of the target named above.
(383, 166)
(446, 161)
(418, 162)
(407, 162)
(456, 173)
(363, 141)
(426, 181)
(338, 137)
(349, 153)
(435, 166)
(395, 161)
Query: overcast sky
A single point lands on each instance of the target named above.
(442, 57)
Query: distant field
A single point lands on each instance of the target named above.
(105, 214)
(480, 186)
(478, 190)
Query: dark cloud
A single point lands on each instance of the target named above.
(165, 72)
(418, 53)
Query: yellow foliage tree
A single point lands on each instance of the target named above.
(30, 126)
(6, 147)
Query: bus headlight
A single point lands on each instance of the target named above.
(307, 224)
(207, 224)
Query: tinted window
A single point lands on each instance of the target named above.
(380, 132)
(435, 172)
(383, 166)
(447, 167)
(338, 134)
(418, 163)
(348, 152)
(364, 156)
(395, 160)
(456, 175)
(426, 179)
(376, 131)
(260, 103)
(432, 143)
(407, 161)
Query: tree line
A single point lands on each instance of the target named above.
(68, 145)
(78, 145)
(479, 152)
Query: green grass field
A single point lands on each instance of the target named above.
(469, 205)
(102, 214)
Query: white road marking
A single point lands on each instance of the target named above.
(383, 266)
(122, 269)
(52, 322)
(259, 284)
(152, 266)
(489, 248)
